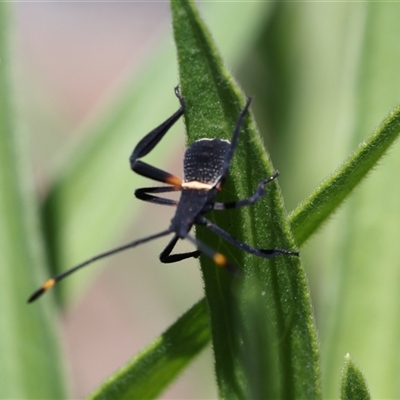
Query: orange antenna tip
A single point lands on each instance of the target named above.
(48, 284)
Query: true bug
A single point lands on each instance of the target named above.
(206, 165)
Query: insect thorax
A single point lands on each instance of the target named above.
(204, 159)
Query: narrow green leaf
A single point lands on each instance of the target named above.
(30, 363)
(271, 301)
(153, 369)
(328, 196)
(353, 385)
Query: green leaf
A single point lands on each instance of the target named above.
(271, 301)
(353, 385)
(148, 374)
(30, 362)
(331, 192)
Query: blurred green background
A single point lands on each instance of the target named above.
(92, 78)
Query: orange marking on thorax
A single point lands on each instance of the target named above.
(197, 185)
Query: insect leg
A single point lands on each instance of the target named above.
(260, 191)
(151, 139)
(166, 257)
(149, 142)
(156, 174)
(52, 281)
(234, 142)
(143, 194)
(265, 253)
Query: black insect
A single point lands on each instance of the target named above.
(206, 166)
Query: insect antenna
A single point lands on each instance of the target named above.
(55, 279)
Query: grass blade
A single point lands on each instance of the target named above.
(270, 287)
(353, 385)
(330, 194)
(153, 369)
